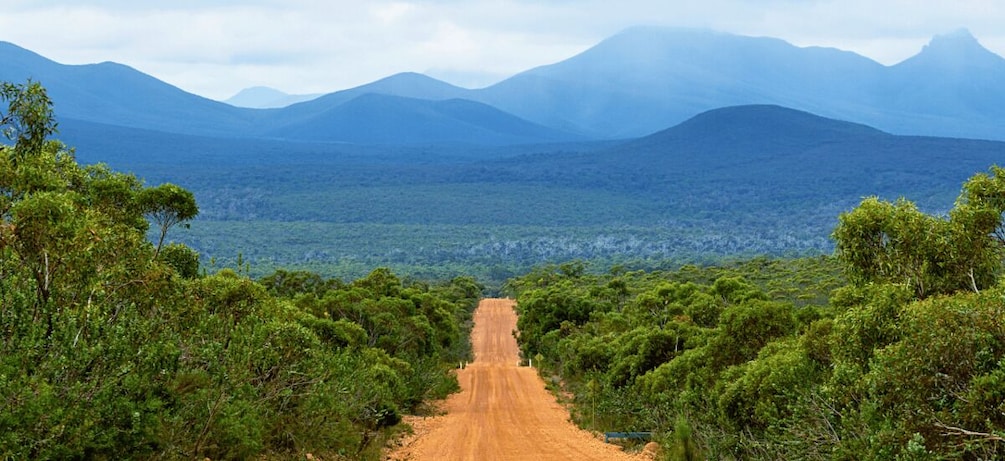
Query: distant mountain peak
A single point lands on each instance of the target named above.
(263, 97)
(259, 91)
(647, 40)
(961, 36)
(409, 76)
(11, 46)
(956, 48)
(408, 83)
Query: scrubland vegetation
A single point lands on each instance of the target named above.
(892, 349)
(114, 347)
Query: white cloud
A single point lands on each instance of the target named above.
(218, 47)
(393, 13)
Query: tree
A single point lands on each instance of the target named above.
(888, 242)
(29, 162)
(40, 217)
(28, 121)
(987, 192)
(979, 228)
(167, 205)
(116, 195)
(183, 259)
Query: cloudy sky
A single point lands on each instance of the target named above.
(217, 47)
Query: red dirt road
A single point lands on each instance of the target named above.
(503, 411)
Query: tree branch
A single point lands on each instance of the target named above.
(952, 430)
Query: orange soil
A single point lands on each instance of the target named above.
(503, 411)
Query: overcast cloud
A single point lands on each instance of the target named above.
(217, 47)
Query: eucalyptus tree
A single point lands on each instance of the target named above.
(886, 242)
(168, 205)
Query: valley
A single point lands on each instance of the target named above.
(747, 180)
(749, 249)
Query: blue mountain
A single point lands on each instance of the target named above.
(263, 97)
(953, 87)
(646, 79)
(120, 95)
(407, 85)
(117, 95)
(765, 160)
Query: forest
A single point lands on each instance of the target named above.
(118, 343)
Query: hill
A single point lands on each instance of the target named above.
(765, 162)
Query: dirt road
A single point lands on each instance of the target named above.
(503, 411)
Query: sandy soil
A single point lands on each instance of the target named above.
(503, 411)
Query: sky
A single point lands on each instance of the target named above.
(215, 48)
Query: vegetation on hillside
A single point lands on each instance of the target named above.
(738, 181)
(112, 347)
(895, 349)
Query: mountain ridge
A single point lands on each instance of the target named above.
(374, 118)
(632, 84)
(116, 94)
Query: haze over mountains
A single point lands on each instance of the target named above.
(632, 84)
(647, 79)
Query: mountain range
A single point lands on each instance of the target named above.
(635, 83)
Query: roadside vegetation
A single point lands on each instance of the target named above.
(892, 349)
(112, 347)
